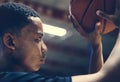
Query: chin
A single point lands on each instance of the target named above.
(35, 69)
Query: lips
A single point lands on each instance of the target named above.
(42, 60)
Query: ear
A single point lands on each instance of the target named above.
(8, 40)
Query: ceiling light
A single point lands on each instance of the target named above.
(53, 30)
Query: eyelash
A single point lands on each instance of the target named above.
(37, 40)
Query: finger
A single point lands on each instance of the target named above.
(74, 21)
(98, 28)
(104, 15)
(77, 26)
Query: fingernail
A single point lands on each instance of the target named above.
(98, 12)
(98, 24)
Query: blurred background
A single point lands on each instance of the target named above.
(68, 52)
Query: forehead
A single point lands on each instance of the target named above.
(35, 27)
(36, 23)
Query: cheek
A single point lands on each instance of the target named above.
(29, 55)
(32, 59)
(29, 48)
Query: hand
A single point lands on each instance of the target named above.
(93, 37)
(115, 18)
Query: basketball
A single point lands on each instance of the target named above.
(85, 13)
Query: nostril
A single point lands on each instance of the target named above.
(43, 55)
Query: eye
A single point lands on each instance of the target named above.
(37, 40)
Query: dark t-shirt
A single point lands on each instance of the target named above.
(30, 77)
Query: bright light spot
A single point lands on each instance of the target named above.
(57, 31)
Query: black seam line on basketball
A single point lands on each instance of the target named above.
(85, 11)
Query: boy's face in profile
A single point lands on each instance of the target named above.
(30, 48)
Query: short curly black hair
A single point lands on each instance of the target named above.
(14, 16)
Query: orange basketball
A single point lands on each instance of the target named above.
(85, 12)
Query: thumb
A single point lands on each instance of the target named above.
(98, 28)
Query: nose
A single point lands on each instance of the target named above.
(44, 47)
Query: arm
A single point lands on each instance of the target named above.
(96, 60)
(110, 72)
(112, 65)
(94, 38)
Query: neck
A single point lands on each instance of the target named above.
(3, 61)
(7, 65)
(6, 60)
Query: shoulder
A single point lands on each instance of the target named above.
(30, 77)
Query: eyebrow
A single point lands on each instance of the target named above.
(39, 33)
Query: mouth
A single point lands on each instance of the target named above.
(42, 60)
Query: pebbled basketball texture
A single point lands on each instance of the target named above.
(85, 12)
